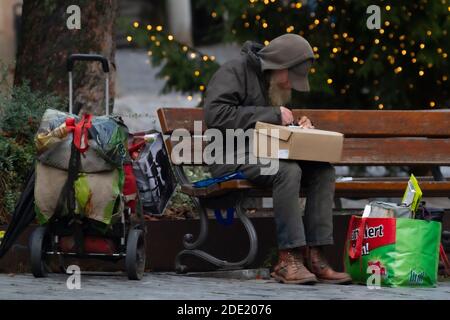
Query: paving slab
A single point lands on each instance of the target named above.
(170, 286)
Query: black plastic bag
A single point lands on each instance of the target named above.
(22, 216)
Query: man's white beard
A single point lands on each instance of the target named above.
(277, 95)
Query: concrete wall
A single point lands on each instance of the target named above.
(180, 20)
(7, 34)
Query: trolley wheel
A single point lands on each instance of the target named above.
(38, 246)
(135, 255)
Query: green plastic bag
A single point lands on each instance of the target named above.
(404, 252)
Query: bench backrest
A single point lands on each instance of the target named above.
(371, 137)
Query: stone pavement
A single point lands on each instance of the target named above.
(169, 286)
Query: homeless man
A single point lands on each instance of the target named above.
(257, 87)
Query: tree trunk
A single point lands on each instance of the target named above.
(46, 42)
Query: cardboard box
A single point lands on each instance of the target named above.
(286, 142)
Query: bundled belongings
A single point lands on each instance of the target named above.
(380, 209)
(402, 252)
(155, 179)
(386, 247)
(86, 198)
(406, 209)
(100, 143)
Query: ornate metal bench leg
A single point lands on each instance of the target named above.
(222, 264)
(188, 238)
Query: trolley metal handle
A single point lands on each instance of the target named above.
(88, 57)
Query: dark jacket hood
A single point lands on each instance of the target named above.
(251, 49)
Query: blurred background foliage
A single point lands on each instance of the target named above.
(402, 65)
(20, 112)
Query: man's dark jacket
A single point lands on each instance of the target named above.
(237, 97)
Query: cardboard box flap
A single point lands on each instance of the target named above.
(316, 132)
(271, 130)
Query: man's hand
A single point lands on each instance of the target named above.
(287, 117)
(305, 123)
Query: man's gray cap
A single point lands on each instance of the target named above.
(292, 52)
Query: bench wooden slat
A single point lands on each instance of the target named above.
(355, 189)
(395, 151)
(177, 118)
(363, 189)
(352, 123)
(376, 151)
(372, 123)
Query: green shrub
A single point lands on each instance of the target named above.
(15, 163)
(181, 202)
(21, 110)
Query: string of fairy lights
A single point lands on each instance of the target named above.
(390, 45)
(189, 52)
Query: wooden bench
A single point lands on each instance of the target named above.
(384, 138)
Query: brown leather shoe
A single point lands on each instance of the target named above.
(317, 264)
(290, 268)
